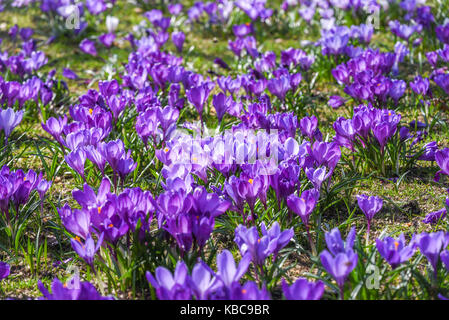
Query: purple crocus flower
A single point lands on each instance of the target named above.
(87, 250)
(171, 287)
(432, 58)
(303, 206)
(431, 245)
(369, 206)
(76, 160)
(394, 251)
(9, 120)
(178, 40)
(202, 283)
(75, 291)
(442, 80)
(308, 126)
(174, 9)
(335, 243)
(88, 199)
(198, 96)
(279, 86)
(341, 259)
(442, 33)
(442, 159)
(420, 86)
(302, 289)
(69, 74)
(260, 248)
(107, 39)
(4, 270)
(336, 102)
(275, 234)
(429, 151)
(221, 104)
(55, 127)
(317, 176)
(339, 266)
(435, 216)
(445, 258)
(249, 291)
(227, 271)
(88, 46)
(42, 187)
(242, 30)
(76, 222)
(95, 7)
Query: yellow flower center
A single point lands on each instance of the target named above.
(251, 181)
(99, 210)
(166, 150)
(91, 111)
(243, 291)
(396, 245)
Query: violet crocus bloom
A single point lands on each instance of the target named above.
(55, 128)
(279, 86)
(77, 222)
(369, 206)
(302, 289)
(336, 102)
(308, 126)
(88, 46)
(420, 86)
(275, 234)
(431, 245)
(442, 159)
(394, 251)
(75, 290)
(335, 243)
(432, 58)
(442, 80)
(198, 96)
(435, 216)
(442, 33)
(445, 258)
(341, 259)
(42, 187)
(107, 39)
(303, 206)
(178, 40)
(87, 250)
(87, 198)
(227, 271)
(171, 287)
(221, 103)
(249, 291)
(202, 283)
(76, 160)
(258, 247)
(174, 9)
(339, 266)
(69, 74)
(9, 119)
(4, 270)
